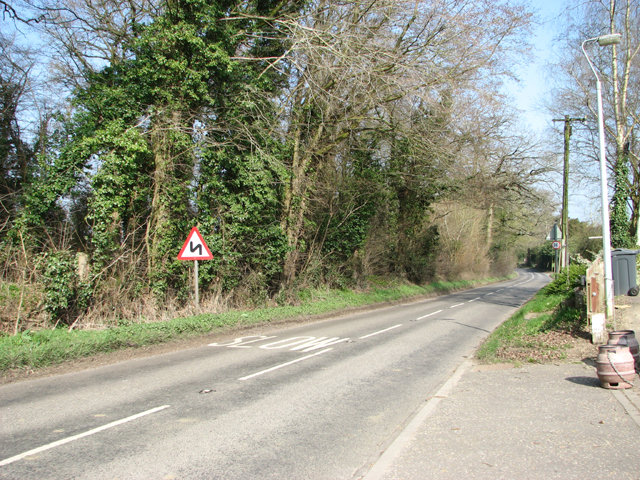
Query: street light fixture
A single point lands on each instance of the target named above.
(603, 41)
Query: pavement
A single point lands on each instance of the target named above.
(529, 422)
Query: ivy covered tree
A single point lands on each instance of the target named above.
(165, 131)
(621, 235)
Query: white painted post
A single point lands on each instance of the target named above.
(196, 284)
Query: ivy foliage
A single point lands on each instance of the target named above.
(66, 296)
(140, 122)
(619, 222)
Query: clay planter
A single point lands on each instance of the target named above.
(615, 366)
(628, 337)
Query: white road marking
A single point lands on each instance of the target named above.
(381, 331)
(80, 435)
(284, 364)
(477, 298)
(306, 344)
(241, 341)
(458, 305)
(287, 342)
(259, 339)
(490, 293)
(428, 315)
(318, 343)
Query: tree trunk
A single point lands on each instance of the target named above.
(159, 223)
(296, 201)
(489, 226)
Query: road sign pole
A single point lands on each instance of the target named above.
(195, 249)
(196, 284)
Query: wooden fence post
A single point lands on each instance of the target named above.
(596, 317)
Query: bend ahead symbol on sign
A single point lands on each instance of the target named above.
(195, 247)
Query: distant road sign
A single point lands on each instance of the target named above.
(555, 234)
(195, 247)
(556, 245)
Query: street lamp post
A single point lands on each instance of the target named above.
(604, 40)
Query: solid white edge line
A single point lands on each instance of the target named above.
(284, 364)
(425, 316)
(381, 331)
(80, 435)
(390, 454)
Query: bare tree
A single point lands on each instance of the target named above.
(16, 154)
(371, 65)
(84, 36)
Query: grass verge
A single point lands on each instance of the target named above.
(544, 329)
(41, 348)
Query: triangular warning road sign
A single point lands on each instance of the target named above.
(195, 248)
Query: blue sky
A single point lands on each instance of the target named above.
(531, 90)
(533, 84)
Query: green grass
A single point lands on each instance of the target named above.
(541, 314)
(36, 349)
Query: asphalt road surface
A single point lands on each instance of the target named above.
(319, 401)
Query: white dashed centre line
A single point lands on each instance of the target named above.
(80, 435)
(285, 364)
(381, 331)
(428, 315)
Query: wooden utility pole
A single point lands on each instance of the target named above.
(565, 187)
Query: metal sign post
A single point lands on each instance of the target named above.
(556, 245)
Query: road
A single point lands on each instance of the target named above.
(318, 401)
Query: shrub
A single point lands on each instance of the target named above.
(563, 286)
